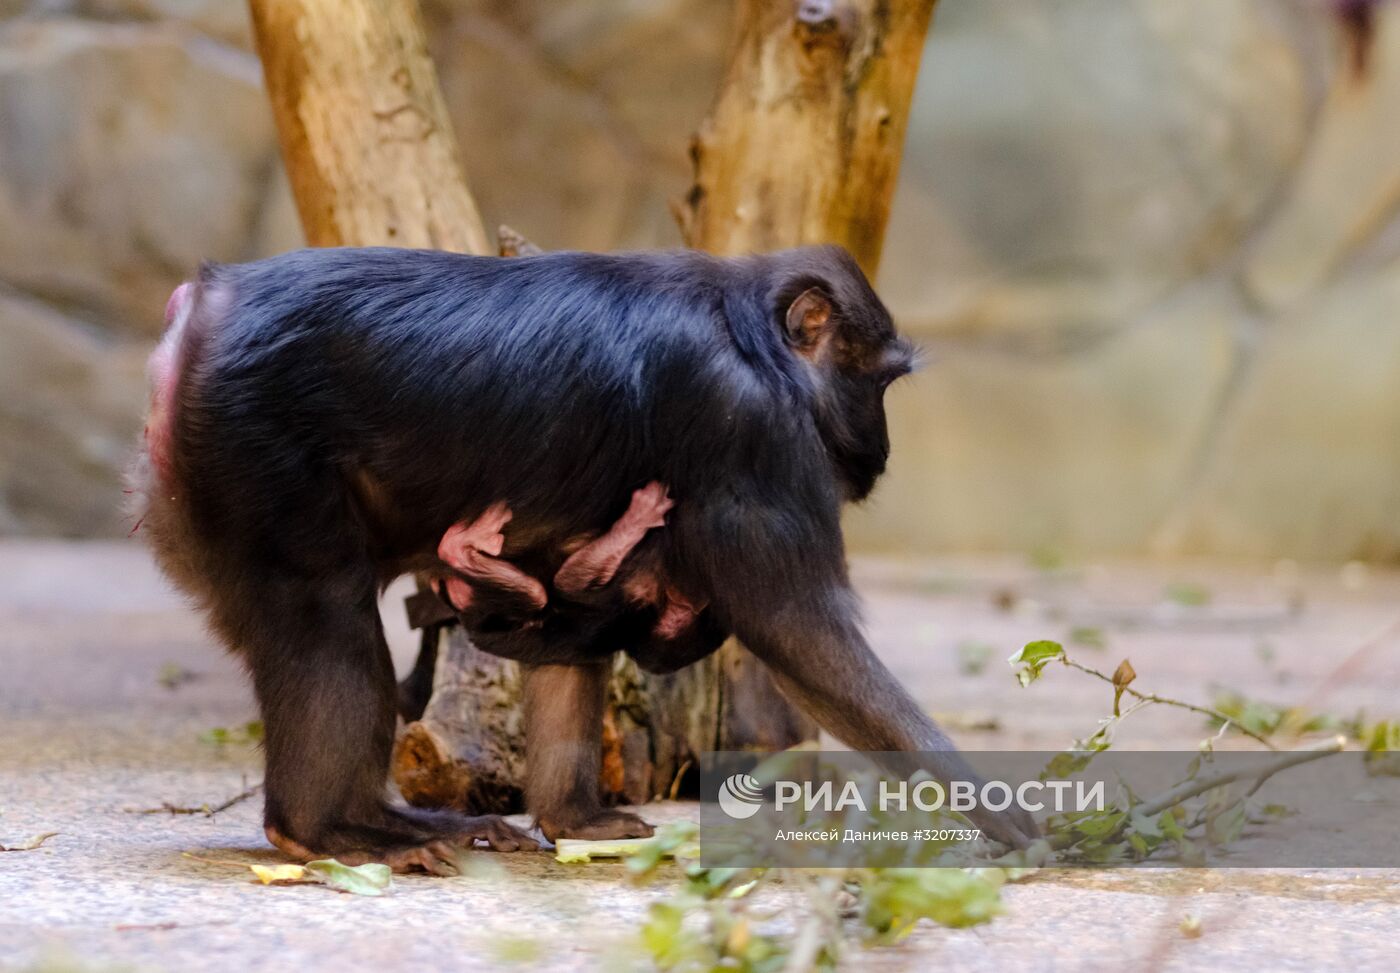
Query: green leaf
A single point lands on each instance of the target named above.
(371, 879)
(896, 898)
(1046, 558)
(1039, 652)
(1099, 824)
(1145, 826)
(1065, 764)
(1226, 826)
(661, 933)
(1382, 757)
(248, 733)
(1033, 657)
(1170, 824)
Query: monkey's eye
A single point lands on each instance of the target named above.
(898, 360)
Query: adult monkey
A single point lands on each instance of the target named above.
(327, 420)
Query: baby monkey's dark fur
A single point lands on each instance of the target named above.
(322, 418)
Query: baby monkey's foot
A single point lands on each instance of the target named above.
(483, 582)
(483, 535)
(648, 507)
(605, 824)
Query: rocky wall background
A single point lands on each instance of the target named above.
(1152, 246)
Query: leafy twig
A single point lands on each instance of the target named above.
(1036, 654)
(1167, 701)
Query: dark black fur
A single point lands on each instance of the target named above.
(344, 407)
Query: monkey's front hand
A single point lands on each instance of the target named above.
(497, 832)
(1013, 827)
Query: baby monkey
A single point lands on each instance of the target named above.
(600, 599)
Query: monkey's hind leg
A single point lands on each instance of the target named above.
(564, 755)
(325, 682)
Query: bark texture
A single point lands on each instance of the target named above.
(364, 130)
(804, 140)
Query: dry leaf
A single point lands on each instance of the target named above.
(1122, 676)
(268, 874)
(31, 843)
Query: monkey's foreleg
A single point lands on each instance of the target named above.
(564, 754)
(821, 661)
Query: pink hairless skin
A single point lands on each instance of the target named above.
(472, 550)
(162, 371)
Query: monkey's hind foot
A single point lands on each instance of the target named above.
(607, 824)
(432, 842)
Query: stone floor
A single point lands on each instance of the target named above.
(107, 683)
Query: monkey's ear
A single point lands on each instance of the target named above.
(809, 321)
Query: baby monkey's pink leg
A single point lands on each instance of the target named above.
(595, 564)
(472, 550)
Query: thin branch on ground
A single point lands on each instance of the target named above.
(1198, 786)
(167, 808)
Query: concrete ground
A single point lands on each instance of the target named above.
(107, 683)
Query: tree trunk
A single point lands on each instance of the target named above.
(364, 131)
(804, 141)
(802, 146)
